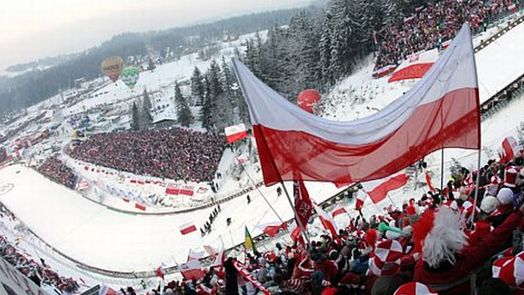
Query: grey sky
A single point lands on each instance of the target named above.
(32, 29)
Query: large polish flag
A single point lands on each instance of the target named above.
(440, 111)
(415, 66)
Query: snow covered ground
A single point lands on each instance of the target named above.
(107, 239)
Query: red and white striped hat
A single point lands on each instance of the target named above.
(386, 258)
(510, 269)
(414, 288)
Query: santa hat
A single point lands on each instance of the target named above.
(510, 270)
(505, 196)
(510, 177)
(438, 235)
(489, 204)
(414, 288)
(386, 258)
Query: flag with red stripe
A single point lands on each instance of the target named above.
(380, 192)
(187, 228)
(441, 110)
(303, 204)
(327, 221)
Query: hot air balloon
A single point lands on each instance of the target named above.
(307, 98)
(112, 67)
(130, 76)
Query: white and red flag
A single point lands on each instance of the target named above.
(441, 110)
(338, 210)
(236, 132)
(510, 148)
(380, 192)
(415, 66)
(192, 270)
(327, 221)
(303, 204)
(361, 198)
(187, 228)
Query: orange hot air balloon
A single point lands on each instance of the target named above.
(112, 67)
(307, 98)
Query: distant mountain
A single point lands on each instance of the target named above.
(48, 76)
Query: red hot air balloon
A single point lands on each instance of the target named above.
(307, 98)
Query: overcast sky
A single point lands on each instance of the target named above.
(31, 29)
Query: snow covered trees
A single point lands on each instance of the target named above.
(183, 112)
(134, 117)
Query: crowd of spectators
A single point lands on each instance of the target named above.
(57, 171)
(3, 154)
(434, 24)
(436, 242)
(37, 271)
(177, 153)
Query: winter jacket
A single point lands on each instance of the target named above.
(471, 257)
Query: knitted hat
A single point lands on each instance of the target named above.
(414, 288)
(510, 177)
(510, 269)
(489, 204)
(505, 196)
(386, 258)
(438, 235)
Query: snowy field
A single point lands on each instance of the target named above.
(107, 239)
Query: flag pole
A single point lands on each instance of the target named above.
(476, 189)
(442, 170)
(299, 222)
(260, 192)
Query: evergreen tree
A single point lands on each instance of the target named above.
(134, 117)
(205, 111)
(213, 76)
(197, 87)
(325, 51)
(145, 114)
(151, 65)
(185, 118)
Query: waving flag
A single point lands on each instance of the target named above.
(415, 66)
(248, 241)
(303, 205)
(337, 211)
(327, 221)
(510, 148)
(235, 133)
(361, 198)
(441, 110)
(380, 192)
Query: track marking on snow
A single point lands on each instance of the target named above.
(5, 188)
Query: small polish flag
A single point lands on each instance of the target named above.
(187, 228)
(327, 221)
(195, 254)
(235, 133)
(361, 198)
(510, 148)
(339, 210)
(192, 270)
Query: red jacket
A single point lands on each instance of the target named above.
(473, 256)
